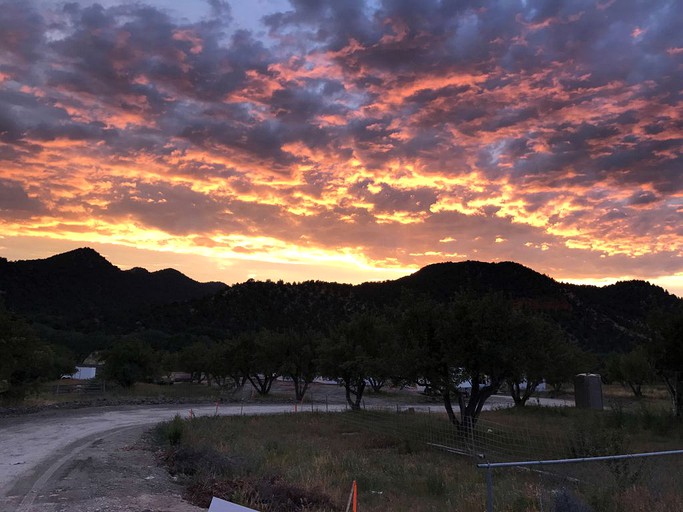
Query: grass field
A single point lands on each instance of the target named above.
(307, 462)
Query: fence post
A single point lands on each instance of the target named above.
(489, 489)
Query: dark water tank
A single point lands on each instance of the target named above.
(588, 391)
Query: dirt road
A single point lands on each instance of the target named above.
(94, 460)
(91, 460)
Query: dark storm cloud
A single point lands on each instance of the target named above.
(390, 199)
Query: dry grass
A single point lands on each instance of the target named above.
(307, 462)
(322, 455)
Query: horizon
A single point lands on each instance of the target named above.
(345, 141)
(600, 283)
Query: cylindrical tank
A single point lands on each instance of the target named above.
(588, 391)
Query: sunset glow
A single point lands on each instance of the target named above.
(345, 140)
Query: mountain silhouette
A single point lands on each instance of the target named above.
(81, 289)
(601, 319)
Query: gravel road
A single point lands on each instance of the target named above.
(94, 460)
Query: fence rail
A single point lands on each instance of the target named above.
(550, 462)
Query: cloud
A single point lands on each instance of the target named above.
(174, 209)
(372, 128)
(15, 203)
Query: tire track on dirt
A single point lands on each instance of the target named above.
(73, 450)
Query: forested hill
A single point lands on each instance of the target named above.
(81, 289)
(442, 280)
(611, 318)
(602, 319)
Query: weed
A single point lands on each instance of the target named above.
(174, 431)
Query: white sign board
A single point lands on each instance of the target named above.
(219, 505)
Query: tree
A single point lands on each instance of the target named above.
(208, 360)
(196, 358)
(26, 361)
(299, 357)
(229, 362)
(256, 356)
(169, 362)
(569, 360)
(632, 369)
(350, 354)
(380, 346)
(468, 341)
(536, 344)
(667, 350)
(475, 332)
(130, 361)
(428, 356)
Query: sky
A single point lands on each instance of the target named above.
(345, 140)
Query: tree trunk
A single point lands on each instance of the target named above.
(449, 408)
(515, 393)
(262, 384)
(469, 414)
(238, 380)
(300, 387)
(354, 394)
(636, 388)
(521, 397)
(557, 389)
(376, 384)
(674, 384)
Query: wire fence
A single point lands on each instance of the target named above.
(488, 440)
(520, 462)
(622, 480)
